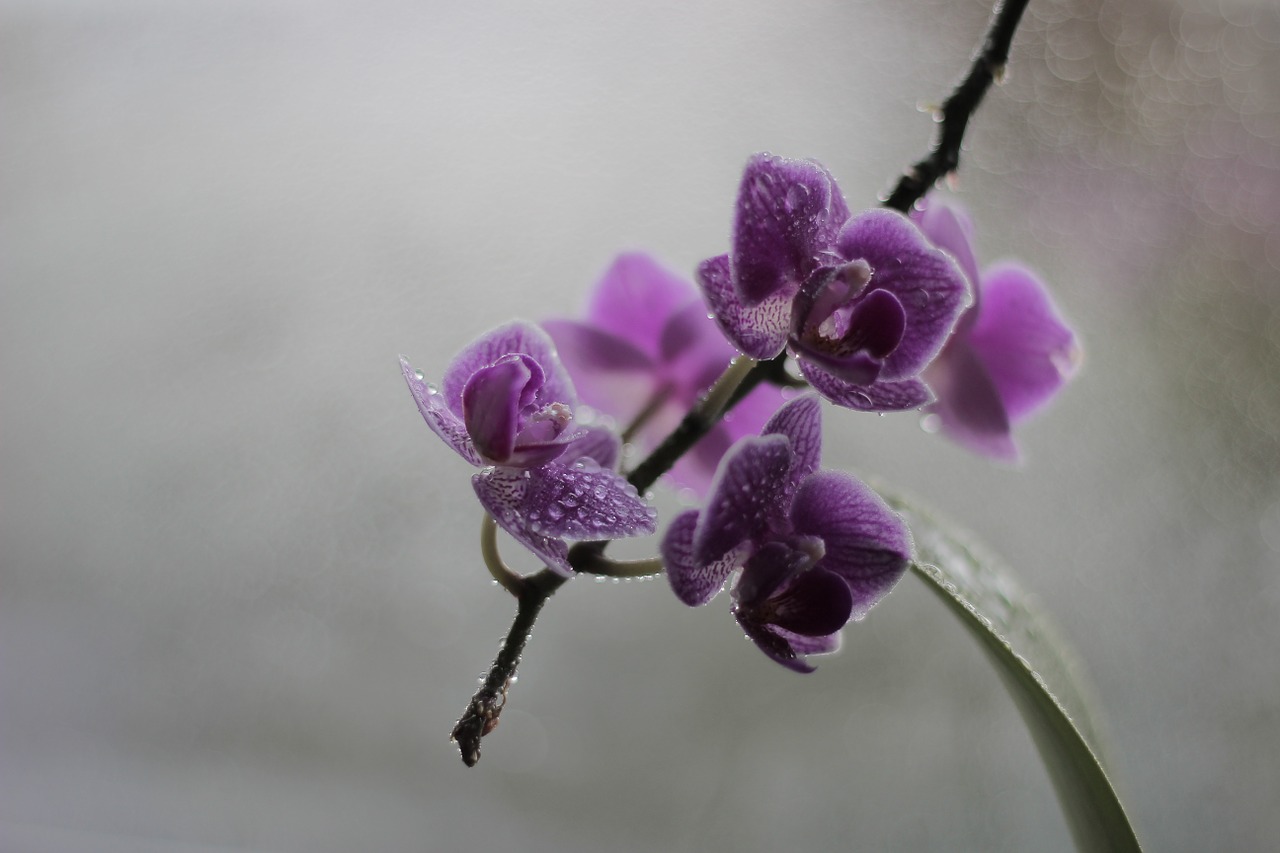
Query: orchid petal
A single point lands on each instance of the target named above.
(867, 544)
(693, 583)
(583, 501)
(879, 396)
(747, 497)
(801, 422)
(788, 213)
(927, 282)
(759, 331)
(502, 493)
(599, 444)
(1026, 347)
(514, 338)
(815, 604)
(634, 298)
(491, 404)
(969, 408)
(442, 421)
(949, 228)
(774, 642)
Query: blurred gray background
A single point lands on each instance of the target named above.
(241, 603)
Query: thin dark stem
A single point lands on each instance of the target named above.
(481, 716)
(988, 65)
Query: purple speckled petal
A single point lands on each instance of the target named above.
(634, 298)
(583, 501)
(788, 213)
(949, 228)
(443, 422)
(927, 282)
(1026, 347)
(597, 443)
(759, 332)
(517, 337)
(748, 497)
(502, 493)
(801, 422)
(491, 403)
(968, 407)
(867, 544)
(693, 583)
(879, 396)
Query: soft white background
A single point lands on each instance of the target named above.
(241, 604)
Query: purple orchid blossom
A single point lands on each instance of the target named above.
(507, 406)
(647, 350)
(863, 302)
(1010, 353)
(815, 548)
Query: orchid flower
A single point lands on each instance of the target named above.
(815, 548)
(506, 406)
(1010, 353)
(863, 302)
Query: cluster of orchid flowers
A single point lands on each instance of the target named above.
(881, 312)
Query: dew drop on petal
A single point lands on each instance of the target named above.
(417, 374)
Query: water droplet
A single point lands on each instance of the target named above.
(555, 512)
(417, 374)
(931, 423)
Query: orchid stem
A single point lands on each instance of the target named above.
(595, 563)
(987, 67)
(502, 573)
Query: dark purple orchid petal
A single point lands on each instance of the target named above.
(856, 368)
(599, 444)
(801, 422)
(634, 298)
(867, 544)
(693, 583)
(927, 282)
(748, 497)
(815, 604)
(491, 402)
(879, 396)
(1026, 347)
(788, 213)
(774, 642)
(519, 338)
(949, 228)
(583, 501)
(759, 331)
(502, 493)
(877, 324)
(969, 408)
(442, 421)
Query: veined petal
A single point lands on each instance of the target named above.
(583, 501)
(759, 331)
(693, 583)
(634, 298)
(442, 421)
(518, 337)
(748, 497)
(788, 213)
(1027, 348)
(867, 544)
(502, 492)
(801, 422)
(879, 396)
(927, 282)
